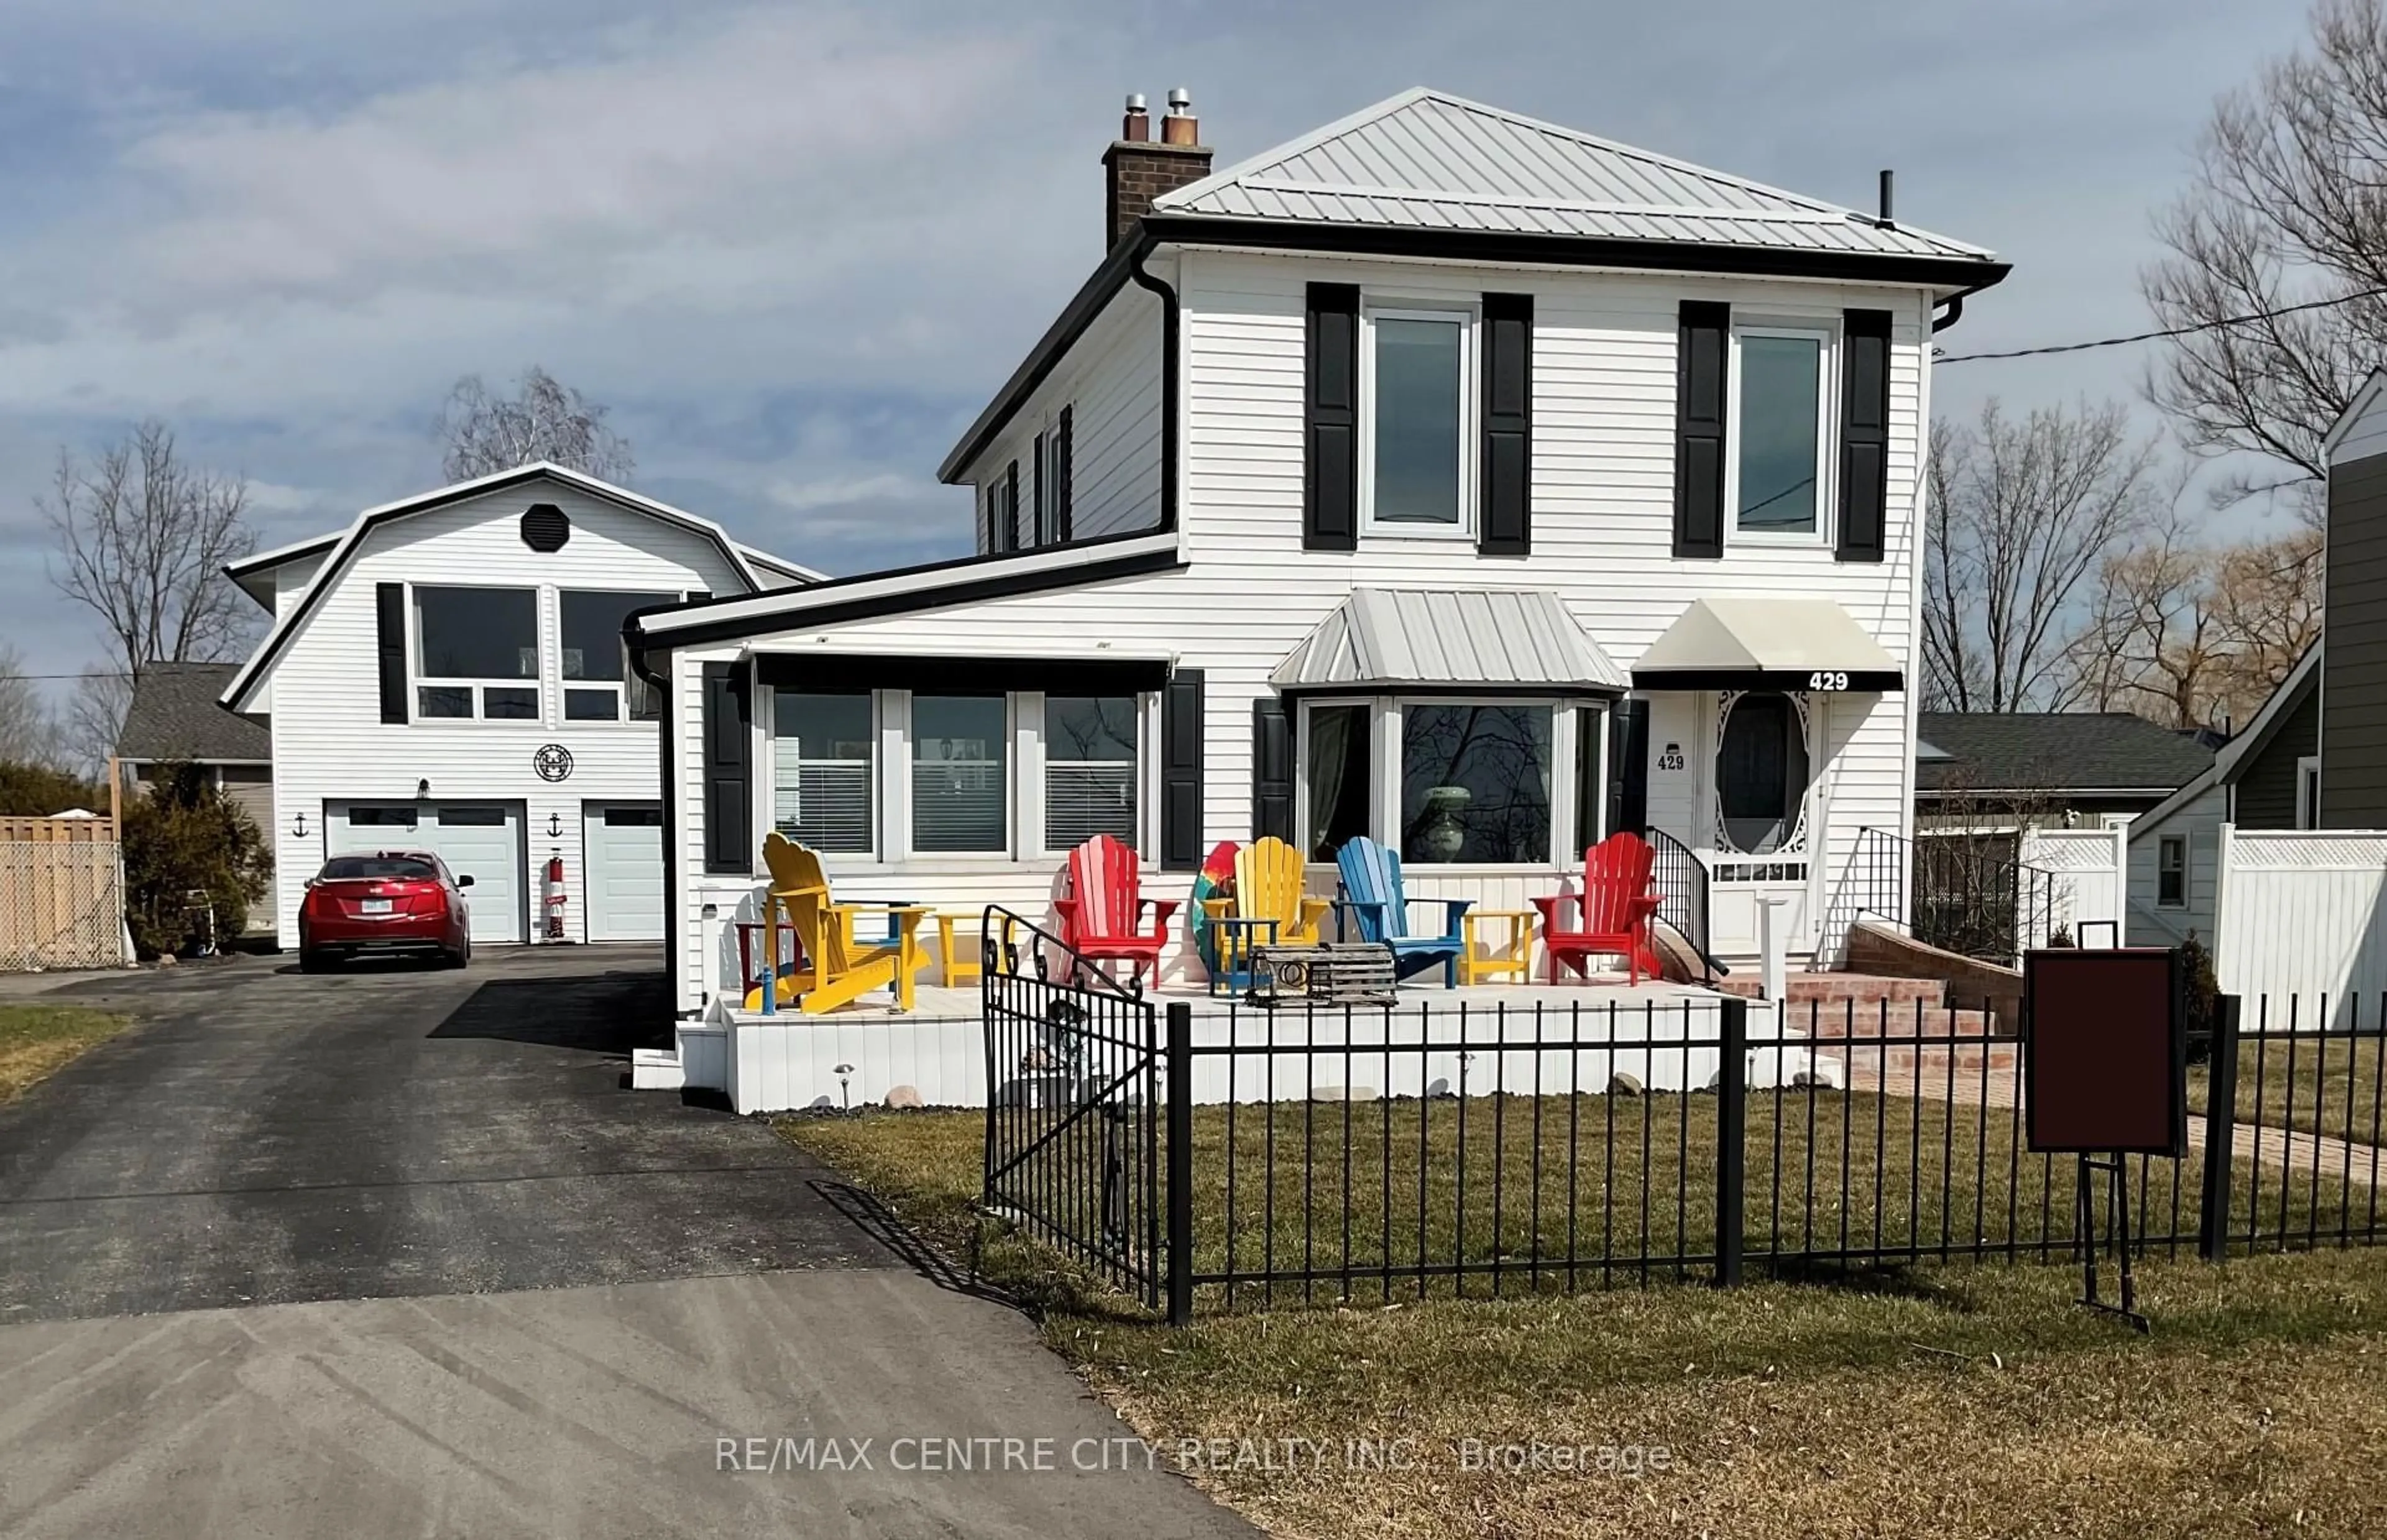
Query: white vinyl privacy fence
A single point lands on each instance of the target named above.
(2303, 912)
(2087, 876)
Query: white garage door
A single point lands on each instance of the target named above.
(483, 840)
(624, 848)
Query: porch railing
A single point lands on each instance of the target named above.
(1960, 891)
(1680, 879)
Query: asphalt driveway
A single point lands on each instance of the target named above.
(396, 1254)
(272, 1136)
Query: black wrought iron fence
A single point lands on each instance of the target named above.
(1074, 1102)
(1327, 1153)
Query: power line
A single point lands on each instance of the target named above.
(87, 674)
(2167, 332)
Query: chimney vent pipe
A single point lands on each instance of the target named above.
(1888, 220)
(1136, 126)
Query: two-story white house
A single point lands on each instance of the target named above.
(1442, 475)
(448, 674)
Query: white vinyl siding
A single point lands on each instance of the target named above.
(330, 743)
(1111, 383)
(1603, 424)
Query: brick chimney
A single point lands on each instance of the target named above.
(1138, 170)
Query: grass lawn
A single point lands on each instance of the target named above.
(37, 1041)
(2335, 1086)
(1934, 1400)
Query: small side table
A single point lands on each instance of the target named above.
(1512, 959)
(957, 967)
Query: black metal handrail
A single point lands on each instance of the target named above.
(1680, 879)
(1956, 890)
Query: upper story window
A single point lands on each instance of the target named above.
(476, 653)
(1002, 510)
(1780, 375)
(1417, 366)
(598, 683)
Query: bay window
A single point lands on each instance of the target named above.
(1418, 371)
(961, 793)
(823, 751)
(476, 653)
(1090, 785)
(1335, 755)
(1442, 781)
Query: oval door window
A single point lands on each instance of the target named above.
(1761, 772)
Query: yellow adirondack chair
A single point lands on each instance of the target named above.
(838, 970)
(1267, 887)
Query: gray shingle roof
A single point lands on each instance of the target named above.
(175, 715)
(1431, 160)
(2055, 751)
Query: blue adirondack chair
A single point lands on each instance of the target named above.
(1373, 903)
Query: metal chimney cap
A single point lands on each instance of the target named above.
(1179, 99)
(1135, 101)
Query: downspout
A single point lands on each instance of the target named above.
(1955, 311)
(1169, 370)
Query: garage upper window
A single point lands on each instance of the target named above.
(598, 683)
(477, 652)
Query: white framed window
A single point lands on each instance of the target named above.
(1003, 508)
(1092, 782)
(1777, 481)
(2171, 872)
(1049, 473)
(961, 783)
(598, 685)
(1418, 413)
(2309, 791)
(1444, 781)
(476, 653)
(823, 756)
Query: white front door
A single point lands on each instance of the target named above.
(625, 887)
(483, 840)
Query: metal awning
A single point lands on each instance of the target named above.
(1735, 643)
(1501, 640)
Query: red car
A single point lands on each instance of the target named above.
(384, 902)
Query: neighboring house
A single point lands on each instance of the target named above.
(2011, 770)
(448, 674)
(2353, 709)
(2266, 777)
(1442, 475)
(175, 715)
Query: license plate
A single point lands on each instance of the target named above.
(375, 906)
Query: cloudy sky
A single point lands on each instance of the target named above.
(795, 246)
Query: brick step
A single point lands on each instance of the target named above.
(1834, 1022)
(1923, 1064)
(1862, 988)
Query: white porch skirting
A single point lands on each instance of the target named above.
(788, 1061)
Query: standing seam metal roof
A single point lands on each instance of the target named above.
(1449, 636)
(1431, 160)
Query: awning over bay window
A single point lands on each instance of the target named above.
(1782, 644)
(1500, 641)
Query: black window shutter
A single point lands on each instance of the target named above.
(1039, 524)
(1330, 484)
(1272, 769)
(1508, 451)
(1699, 428)
(1064, 470)
(1628, 766)
(1864, 435)
(695, 596)
(390, 616)
(728, 801)
(1011, 506)
(1181, 772)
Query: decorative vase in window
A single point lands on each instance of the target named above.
(1442, 836)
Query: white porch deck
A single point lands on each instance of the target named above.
(853, 1057)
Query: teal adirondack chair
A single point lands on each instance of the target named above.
(1372, 901)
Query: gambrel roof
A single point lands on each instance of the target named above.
(1430, 160)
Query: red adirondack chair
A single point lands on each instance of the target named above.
(1613, 910)
(1102, 911)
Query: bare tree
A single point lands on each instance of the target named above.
(482, 434)
(143, 537)
(93, 718)
(28, 735)
(2022, 513)
(2287, 208)
(2192, 634)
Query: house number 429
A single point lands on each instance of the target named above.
(1827, 680)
